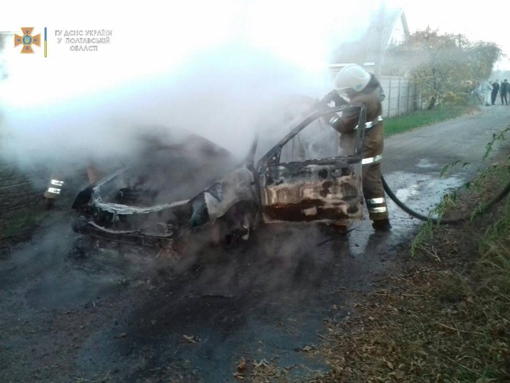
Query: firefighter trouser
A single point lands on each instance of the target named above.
(54, 186)
(373, 190)
(56, 183)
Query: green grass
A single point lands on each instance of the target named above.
(400, 124)
(19, 224)
(445, 318)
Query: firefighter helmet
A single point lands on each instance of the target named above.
(352, 77)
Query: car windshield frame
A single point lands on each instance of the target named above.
(360, 134)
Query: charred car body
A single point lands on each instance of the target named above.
(296, 180)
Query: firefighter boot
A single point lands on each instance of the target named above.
(47, 203)
(381, 225)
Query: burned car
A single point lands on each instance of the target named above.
(164, 200)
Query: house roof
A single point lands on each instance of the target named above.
(378, 34)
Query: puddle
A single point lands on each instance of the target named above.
(421, 192)
(404, 194)
(426, 164)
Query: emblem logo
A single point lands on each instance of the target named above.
(27, 40)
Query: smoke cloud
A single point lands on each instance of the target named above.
(215, 71)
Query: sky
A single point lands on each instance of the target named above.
(212, 67)
(149, 40)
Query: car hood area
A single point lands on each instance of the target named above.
(177, 186)
(150, 201)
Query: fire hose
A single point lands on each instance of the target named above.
(483, 208)
(333, 96)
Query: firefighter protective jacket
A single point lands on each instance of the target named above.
(373, 146)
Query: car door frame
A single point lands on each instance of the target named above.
(336, 212)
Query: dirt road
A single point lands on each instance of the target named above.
(124, 316)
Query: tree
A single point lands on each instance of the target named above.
(441, 64)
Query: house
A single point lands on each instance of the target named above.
(387, 28)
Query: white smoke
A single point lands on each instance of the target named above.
(213, 68)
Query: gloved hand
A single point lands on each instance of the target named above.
(319, 105)
(332, 96)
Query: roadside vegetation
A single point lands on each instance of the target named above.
(401, 124)
(444, 67)
(19, 214)
(19, 225)
(445, 317)
(447, 71)
(22, 206)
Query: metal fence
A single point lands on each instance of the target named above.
(402, 96)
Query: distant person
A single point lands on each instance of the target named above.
(468, 89)
(476, 92)
(488, 90)
(503, 90)
(495, 90)
(472, 95)
(56, 183)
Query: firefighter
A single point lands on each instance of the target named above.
(358, 86)
(54, 188)
(57, 181)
